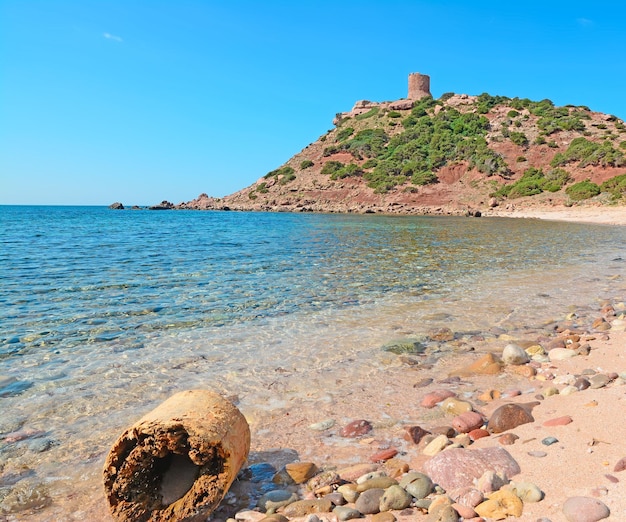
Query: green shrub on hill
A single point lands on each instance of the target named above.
(352, 169)
(368, 114)
(330, 167)
(306, 164)
(345, 133)
(582, 190)
(590, 153)
(615, 186)
(283, 175)
(519, 138)
(534, 181)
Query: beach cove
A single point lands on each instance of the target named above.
(306, 352)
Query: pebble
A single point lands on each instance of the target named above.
(348, 492)
(322, 425)
(415, 434)
(486, 365)
(467, 421)
(433, 398)
(561, 354)
(581, 384)
(395, 498)
(346, 513)
(300, 472)
(326, 478)
(417, 484)
(468, 496)
(304, 507)
(455, 406)
(558, 421)
(508, 439)
(514, 354)
(548, 441)
(368, 502)
(356, 429)
(551, 390)
(370, 475)
(584, 509)
(352, 473)
(478, 433)
(272, 500)
(396, 468)
(621, 465)
(490, 482)
(526, 491)
(436, 445)
(376, 483)
(384, 455)
(537, 454)
(569, 390)
(384, 517)
(457, 468)
(501, 504)
(598, 381)
(507, 417)
(489, 395)
(445, 514)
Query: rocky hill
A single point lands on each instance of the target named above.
(452, 155)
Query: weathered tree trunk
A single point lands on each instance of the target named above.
(178, 461)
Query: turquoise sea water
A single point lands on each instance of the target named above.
(104, 314)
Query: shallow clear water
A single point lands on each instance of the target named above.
(104, 314)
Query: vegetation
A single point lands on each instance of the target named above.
(345, 133)
(582, 190)
(519, 138)
(338, 170)
(433, 135)
(615, 186)
(306, 164)
(590, 153)
(534, 181)
(283, 175)
(368, 114)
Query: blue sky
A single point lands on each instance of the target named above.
(140, 101)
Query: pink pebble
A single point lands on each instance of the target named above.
(467, 421)
(559, 421)
(431, 399)
(478, 433)
(383, 455)
(356, 429)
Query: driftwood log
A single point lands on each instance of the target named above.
(178, 461)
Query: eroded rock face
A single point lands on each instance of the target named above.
(458, 468)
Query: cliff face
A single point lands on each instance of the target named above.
(453, 155)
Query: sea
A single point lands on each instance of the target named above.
(106, 313)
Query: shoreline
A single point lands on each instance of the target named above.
(598, 215)
(281, 435)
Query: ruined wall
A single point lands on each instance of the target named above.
(419, 86)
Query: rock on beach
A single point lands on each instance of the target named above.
(458, 468)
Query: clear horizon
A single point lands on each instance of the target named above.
(139, 101)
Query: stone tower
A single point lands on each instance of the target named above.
(419, 86)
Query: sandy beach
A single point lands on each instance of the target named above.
(583, 214)
(390, 393)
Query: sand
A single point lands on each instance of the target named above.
(582, 214)
(580, 464)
